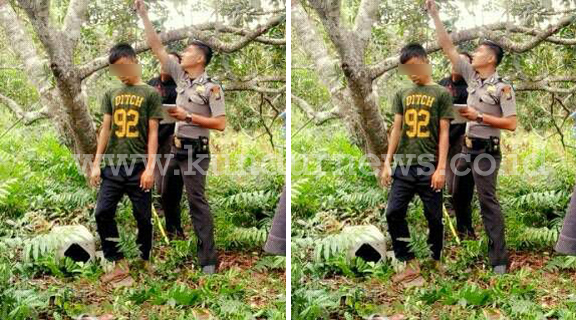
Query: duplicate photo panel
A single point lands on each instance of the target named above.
(143, 158)
(432, 159)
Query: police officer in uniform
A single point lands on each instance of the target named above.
(458, 88)
(200, 108)
(491, 107)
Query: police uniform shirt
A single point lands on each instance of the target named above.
(198, 96)
(491, 96)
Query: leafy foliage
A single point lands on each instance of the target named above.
(45, 190)
(44, 244)
(252, 236)
(326, 284)
(333, 245)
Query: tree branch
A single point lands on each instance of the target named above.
(547, 79)
(538, 36)
(266, 127)
(558, 129)
(325, 65)
(487, 31)
(252, 85)
(553, 13)
(365, 19)
(23, 45)
(38, 13)
(524, 87)
(328, 69)
(535, 32)
(544, 84)
(329, 13)
(36, 68)
(241, 43)
(75, 17)
(28, 117)
(198, 32)
(259, 79)
(244, 32)
(317, 117)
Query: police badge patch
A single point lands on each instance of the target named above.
(216, 92)
(507, 92)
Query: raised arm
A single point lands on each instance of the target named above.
(152, 37)
(444, 40)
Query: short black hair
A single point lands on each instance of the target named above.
(119, 51)
(412, 50)
(177, 55)
(468, 55)
(206, 50)
(496, 49)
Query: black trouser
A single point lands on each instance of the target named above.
(481, 169)
(165, 132)
(567, 239)
(463, 218)
(276, 242)
(415, 180)
(456, 139)
(454, 150)
(190, 172)
(115, 183)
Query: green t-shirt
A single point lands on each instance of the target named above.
(131, 107)
(422, 107)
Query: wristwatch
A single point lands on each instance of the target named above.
(188, 118)
(480, 117)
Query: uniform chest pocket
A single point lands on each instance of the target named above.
(195, 97)
(488, 98)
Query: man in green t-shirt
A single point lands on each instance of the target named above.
(420, 141)
(128, 138)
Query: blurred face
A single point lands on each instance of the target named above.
(192, 57)
(483, 57)
(417, 69)
(162, 71)
(456, 75)
(127, 70)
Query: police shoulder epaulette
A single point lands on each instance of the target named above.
(213, 81)
(505, 80)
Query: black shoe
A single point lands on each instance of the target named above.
(178, 235)
(467, 235)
